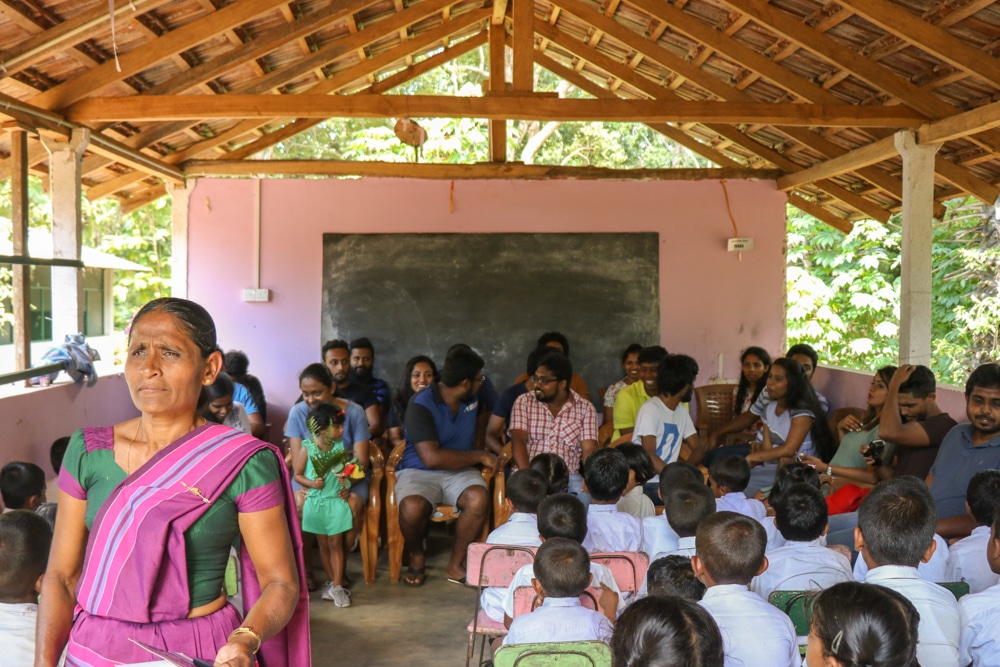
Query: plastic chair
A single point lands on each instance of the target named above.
(957, 588)
(526, 600)
(441, 514)
(568, 654)
(373, 512)
(501, 513)
(491, 565)
(715, 406)
(628, 567)
(798, 606)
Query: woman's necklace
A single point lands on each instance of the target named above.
(128, 461)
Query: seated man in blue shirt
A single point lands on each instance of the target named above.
(439, 463)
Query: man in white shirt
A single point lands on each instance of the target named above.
(25, 539)
(663, 425)
(896, 523)
(979, 614)
(967, 558)
(730, 552)
(803, 563)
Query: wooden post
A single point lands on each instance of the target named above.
(180, 197)
(21, 272)
(67, 227)
(524, 44)
(915, 257)
(498, 127)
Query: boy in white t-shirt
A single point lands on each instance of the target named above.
(663, 426)
(25, 538)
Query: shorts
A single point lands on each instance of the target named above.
(437, 486)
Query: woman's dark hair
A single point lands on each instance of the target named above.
(666, 632)
(865, 624)
(638, 461)
(223, 386)
(744, 386)
(634, 348)
(405, 391)
(801, 396)
(554, 469)
(872, 415)
(318, 372)
(192, 317)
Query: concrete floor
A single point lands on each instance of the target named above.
(389, 624)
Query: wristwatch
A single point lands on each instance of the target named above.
(829, 471)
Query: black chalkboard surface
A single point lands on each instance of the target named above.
(420, 293)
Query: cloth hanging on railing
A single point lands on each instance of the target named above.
(76, 357)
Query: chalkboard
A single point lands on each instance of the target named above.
(420, 293)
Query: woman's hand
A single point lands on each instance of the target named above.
(813, 461)
(849, 424)
(234, 654)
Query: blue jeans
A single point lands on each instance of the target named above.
(576, 488)
(841, 529)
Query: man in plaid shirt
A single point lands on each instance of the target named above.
(553, 418)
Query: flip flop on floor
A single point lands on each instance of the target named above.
(414, 578)
(460, 581)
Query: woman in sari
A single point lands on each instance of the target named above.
(148, 511)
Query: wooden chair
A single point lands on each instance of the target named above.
(568, 654)
(373, 512)
(441, 514)
(715, 406)
(501, 513)
(491, 565)
(604, 434)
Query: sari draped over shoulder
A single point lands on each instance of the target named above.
(134, 582)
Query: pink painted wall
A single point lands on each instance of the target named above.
(711, 302)
(33, 418)
(847, 388)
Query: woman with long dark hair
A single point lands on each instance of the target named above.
(755, 363)
(419, 373)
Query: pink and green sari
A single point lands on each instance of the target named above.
(134, 583)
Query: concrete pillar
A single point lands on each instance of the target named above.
(918, 218)
(67, 227)
(180, 196)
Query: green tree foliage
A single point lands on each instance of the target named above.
(843, 291)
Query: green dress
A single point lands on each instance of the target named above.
(324, 512)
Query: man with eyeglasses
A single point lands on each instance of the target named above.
(553, 418)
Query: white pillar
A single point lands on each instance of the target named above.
(67, 226)
(918, 218)
(180, 196)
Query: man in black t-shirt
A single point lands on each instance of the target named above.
(337, 357)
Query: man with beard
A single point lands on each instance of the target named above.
(967, 449)
(336, 357)
(632, 397)
(553, 418)
(362, 371)
(439, 463)
(663, 426)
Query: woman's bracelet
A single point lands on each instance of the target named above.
(244, 630)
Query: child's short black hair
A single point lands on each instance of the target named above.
(638, 461)
(730, 472)
(19, 481)
(562, 515)
(731, 546)
(983, 495)
(678, 473)
(801, 514)
(25, 539)
(526, 489)
(562, 567)
(555, 471)
(324, 416)
(57, 451)
(606, 474)
(673, 576)
(686, 506)
(897, 520)
(795, 472)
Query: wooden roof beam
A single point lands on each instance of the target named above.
(820, 213)
(928, 37)
(193, 107)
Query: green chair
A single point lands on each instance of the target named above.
(957, 588)
(563, 654)
(798, 606)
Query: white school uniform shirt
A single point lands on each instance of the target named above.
(685, 547)
(739, 503)
(939, 629)
(636, 503)
(600, 573)
(611, 530)
(658, 536)
(801, 566)
(979, 615)
(774, 537)
(754, 632)
(967, 561)
(521, 529)
(934, 570)
(17, 633)
(559, 620)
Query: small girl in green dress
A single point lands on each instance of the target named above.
(326, 470)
